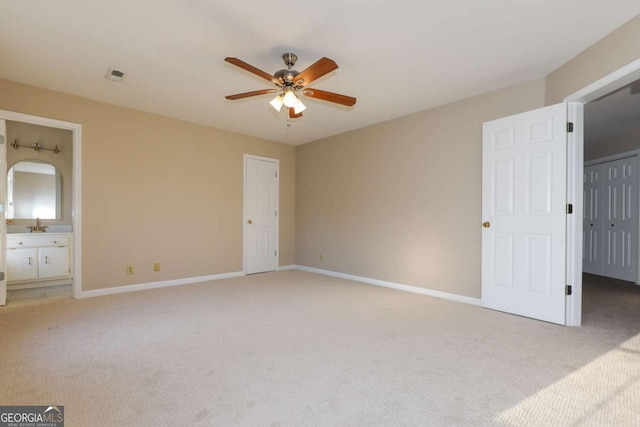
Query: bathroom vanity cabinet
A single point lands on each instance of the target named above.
(36, 260)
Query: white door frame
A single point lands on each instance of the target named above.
(76, 130)
(3, 215)
(575, 166)
(244, 208)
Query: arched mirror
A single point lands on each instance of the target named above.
(34, 190)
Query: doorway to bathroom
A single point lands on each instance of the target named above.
(40, 233)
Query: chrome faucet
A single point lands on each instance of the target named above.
(38, 228)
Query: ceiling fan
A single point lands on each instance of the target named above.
(290, 83)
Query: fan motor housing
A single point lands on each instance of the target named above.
(286, 76)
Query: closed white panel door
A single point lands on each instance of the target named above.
(620, 243)
(261, 215)
(592, 220)
(524, 214)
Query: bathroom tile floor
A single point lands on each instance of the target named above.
(36, 295)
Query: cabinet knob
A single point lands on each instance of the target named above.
(486, 224)
(249, 222)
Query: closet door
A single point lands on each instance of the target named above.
(620, 257)
(592, 220)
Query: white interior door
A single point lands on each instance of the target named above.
(3, 223)
(261, 215)
(592, 220)
(620, 226)
(524, 179)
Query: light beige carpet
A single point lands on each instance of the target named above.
(297, 349)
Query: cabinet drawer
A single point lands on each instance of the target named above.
(36, 241)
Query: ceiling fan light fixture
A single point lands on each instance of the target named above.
(290, 99)
(277, 102)
(289, 82)
(299, 107)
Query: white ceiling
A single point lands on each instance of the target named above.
(396, 57)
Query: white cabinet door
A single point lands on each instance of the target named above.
(53, 262)
(524, 160)
(22, 264)
(592, 220)
(620, 219)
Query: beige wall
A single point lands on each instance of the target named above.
(156, 189)
(401, 201)
(619, 48)
(626, 142)
(27, 134)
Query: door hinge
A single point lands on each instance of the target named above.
(569, 208)
(276, 174)
(275, 253)
(567, 290)
(1, 139)
(569, 127)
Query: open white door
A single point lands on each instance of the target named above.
(524, 196)
(3, 222)
(261, 214)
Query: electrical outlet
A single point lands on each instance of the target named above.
(131, 269)
(156, 266)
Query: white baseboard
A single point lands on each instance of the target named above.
(401, 287)
(190, 280)
(156, 285)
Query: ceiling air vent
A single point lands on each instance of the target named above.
(114, 75)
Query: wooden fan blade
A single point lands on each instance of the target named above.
(292, 113)
(320, 68)
(329, 96)
(248, 94)
(250, 68)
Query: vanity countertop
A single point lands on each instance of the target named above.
(51, 229)
(44, 234)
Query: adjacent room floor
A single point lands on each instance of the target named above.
(294, 349)
(37, 295)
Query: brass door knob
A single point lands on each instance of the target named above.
(249, 222)
(486, 224)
